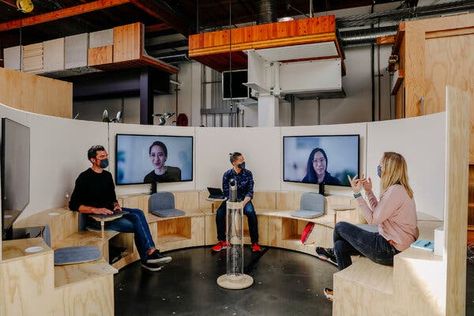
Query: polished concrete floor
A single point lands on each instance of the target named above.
(286, 283)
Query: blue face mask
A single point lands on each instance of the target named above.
(379, 171)
(242, 165)
(104, 163)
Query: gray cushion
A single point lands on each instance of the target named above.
(168, 213)
(369, 228)
(72, 255)
(307, 214)
(312, 201)
(161, 201)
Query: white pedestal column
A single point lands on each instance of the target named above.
(268, 110)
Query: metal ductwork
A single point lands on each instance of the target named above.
(266, 11)
(365, 36)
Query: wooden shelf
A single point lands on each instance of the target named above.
(74, 273)
(15, 249)
(171, 238)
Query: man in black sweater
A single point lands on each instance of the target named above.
(94, 193)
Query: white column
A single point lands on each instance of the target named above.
(268, 110)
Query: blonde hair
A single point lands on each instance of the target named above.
(394, 171)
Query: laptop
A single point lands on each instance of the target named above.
(216, 193)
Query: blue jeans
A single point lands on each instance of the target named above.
(251, 217)
(352, 240)
(133, 222)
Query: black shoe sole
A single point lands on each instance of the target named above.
(324, 258)
(163, 260)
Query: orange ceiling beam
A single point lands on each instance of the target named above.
(61, 14)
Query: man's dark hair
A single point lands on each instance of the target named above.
(160, 144)
(234, 156)
(92, 152)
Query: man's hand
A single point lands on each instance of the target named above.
(102, 210)
(246, 200)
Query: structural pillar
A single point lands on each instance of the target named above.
(268, 111)
(146, 98)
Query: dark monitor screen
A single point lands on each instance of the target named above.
(152, 158)
(235, 80)
(15, 168)
(327, 159)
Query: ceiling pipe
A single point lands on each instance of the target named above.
(365, 36)
(266, 11)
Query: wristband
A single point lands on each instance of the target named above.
(357, 195)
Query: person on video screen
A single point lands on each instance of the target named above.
(161, 173)
(317, 169)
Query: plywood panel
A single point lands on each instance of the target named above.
(187, 201)
(101, 38)
(53, 54)
(76, 51)
(128, 42)
(12, 57)
(35, 94)
(100, 55)
(32, 58)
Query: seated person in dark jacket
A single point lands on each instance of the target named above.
(244, 180)
(316, 169)
(161, 173)
(94, 193)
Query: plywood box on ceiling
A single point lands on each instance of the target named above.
(12, 57)
(100, 55)
(76, 51)
(128, 42)
(53, 54)
(32, 57)
(101, 38)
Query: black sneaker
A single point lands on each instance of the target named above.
(154, 267)
(157, 257)
(326, 254)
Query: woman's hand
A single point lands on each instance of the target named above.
(356, 184)
(367, 184)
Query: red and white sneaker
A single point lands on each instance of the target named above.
(220, 245)
(256, 247)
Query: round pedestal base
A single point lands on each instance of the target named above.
(235, 282)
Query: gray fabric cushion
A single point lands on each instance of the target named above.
(312, 201)
(307, 214)
(72, 255)
(168, 213)
(161, 201)
(369, 228)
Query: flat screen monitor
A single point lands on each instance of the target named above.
(235, 80)
(150, 158)
(15, 168)
(327, 159)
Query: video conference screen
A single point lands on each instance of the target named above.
(320, 159)
(148, 159)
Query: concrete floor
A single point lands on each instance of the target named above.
(286, 283)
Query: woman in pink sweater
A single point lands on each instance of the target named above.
(394, 214)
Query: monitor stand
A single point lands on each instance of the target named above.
(153, 187)
(321, 189)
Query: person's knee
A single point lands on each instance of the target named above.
(341, 226)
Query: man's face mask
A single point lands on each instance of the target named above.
(104, 163)
(241, 165)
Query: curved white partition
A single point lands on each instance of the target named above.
(59, 146)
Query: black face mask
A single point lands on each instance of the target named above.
(241, 165)
(104, 163)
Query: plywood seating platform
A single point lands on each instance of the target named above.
(213, 48)
(73, 273)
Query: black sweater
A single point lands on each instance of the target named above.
(93, 189)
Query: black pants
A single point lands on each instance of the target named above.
(251, 217)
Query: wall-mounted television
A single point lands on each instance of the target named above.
(235, 79)
(153, 158)
(15, 168)
(325, 159)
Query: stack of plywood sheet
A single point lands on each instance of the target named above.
(12, 57)
(75, 48)
(100, 47)
(33, 58)
(53, 53)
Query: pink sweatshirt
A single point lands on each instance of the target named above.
(395, 215)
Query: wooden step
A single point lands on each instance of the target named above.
(73, 273)
(89, 238)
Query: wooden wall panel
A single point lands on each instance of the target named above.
(128, 42)
(35, 94)
(100, 55)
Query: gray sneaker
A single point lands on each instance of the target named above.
(326, 254)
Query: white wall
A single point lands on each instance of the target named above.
(421, 140)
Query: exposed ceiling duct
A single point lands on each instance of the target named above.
(365, 36)
(266, 11)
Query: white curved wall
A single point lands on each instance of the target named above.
(59, 146)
